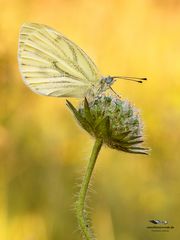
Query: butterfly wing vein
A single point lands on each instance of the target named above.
(52, 65)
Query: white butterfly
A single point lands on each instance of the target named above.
(52, 65)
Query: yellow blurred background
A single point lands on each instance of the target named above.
(43, 152)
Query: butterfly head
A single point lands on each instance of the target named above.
(105, 83)
(108, 80)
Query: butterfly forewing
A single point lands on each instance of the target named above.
(53, 65)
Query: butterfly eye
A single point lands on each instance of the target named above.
(108, 80)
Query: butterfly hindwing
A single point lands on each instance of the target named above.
(52, 65)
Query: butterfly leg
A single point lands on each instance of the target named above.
(114, 92)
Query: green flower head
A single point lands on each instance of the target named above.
(113, 120)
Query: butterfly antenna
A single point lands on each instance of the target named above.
(134, 79)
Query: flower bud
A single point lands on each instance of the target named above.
(114, 120)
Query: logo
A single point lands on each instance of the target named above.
(158, 221)
(159, 226)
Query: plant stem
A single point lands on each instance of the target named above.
(80, 203)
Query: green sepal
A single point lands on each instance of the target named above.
(125, 143)
(121, 136)
(134, 138)
(130, 150)
(139, 148)
(73, 109)
(87, 112)
(79, 118)
(138, 151)
(103, 128)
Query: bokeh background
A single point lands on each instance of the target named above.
(43, 152)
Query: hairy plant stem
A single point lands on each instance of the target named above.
(80, 203)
